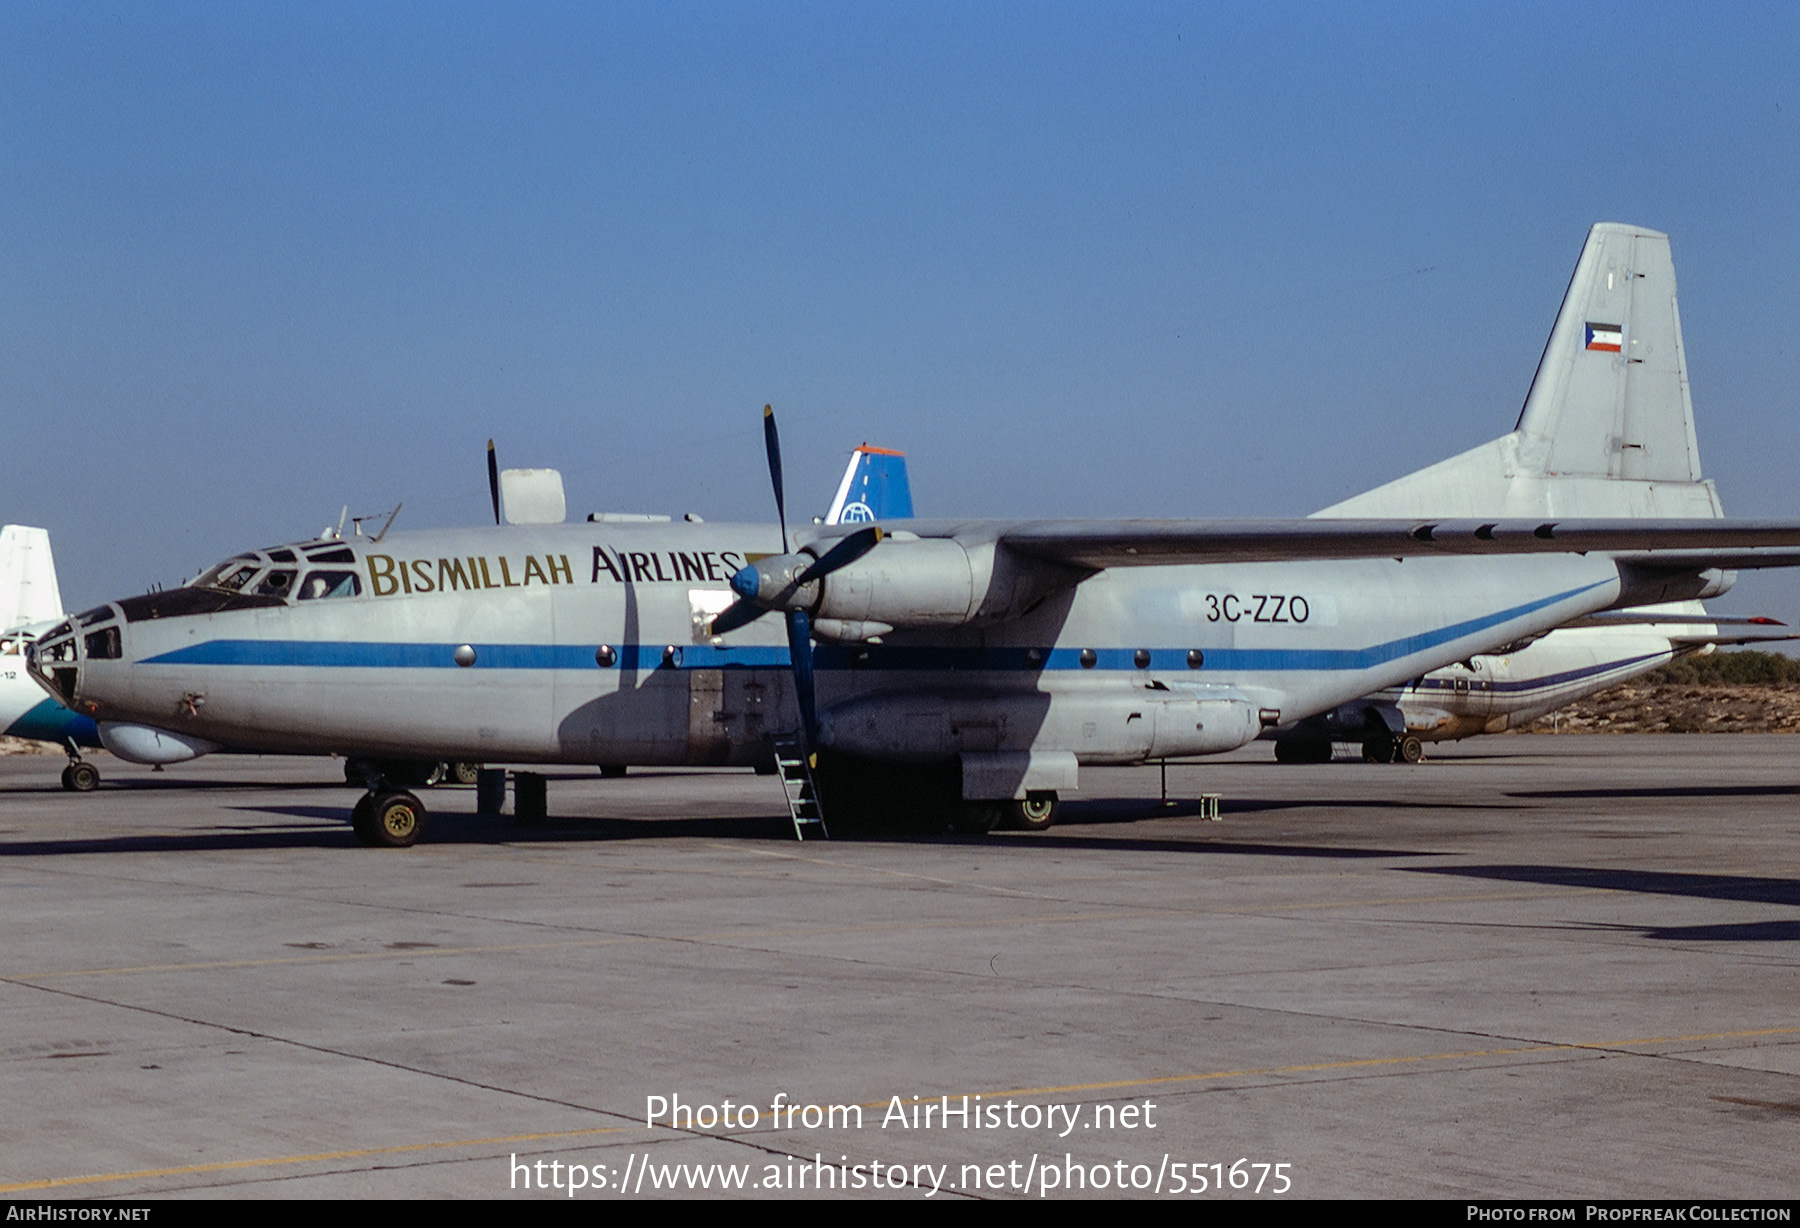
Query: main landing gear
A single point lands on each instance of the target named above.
(1036, 812)
(386, 817)
(413, 774)
(1387, 749)
(1377, 748)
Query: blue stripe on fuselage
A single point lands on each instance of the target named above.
(379, 655)
(49, 721)
(1519, 686)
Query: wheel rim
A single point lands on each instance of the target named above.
(399, 820)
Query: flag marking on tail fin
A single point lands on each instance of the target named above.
(1609, 337)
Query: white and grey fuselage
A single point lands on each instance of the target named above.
(589, 643)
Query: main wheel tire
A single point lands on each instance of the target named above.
(1036, 813)
(362, 818)
(396, 819)
(465, 773)
(976, 818)
(1410, 750)
(612, 771)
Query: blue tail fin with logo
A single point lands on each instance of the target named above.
(874, 488)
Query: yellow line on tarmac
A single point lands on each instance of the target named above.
(1356, 1063)
(1114, 1085)
(228, 1165)
(776, 932)
(341, 957)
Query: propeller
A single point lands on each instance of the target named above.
(494, 480)
(778, 584)
(772, 445)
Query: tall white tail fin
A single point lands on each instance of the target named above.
(1608, 426)
(28, 592)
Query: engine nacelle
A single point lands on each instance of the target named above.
(921, 583)
(912, 582)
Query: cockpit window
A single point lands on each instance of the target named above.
(278, 583)
(335, 554)
(231, 575)
(89, 617)
(282, 556)
(321, 585)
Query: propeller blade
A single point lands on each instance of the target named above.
(737, 614)
(799, 629)
(843, 554)
(494, 480)
(772, 445)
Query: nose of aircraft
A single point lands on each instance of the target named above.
(63, 658)
(55, 661)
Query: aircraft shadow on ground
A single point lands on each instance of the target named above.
(1253, 805)
(328, 827)
(1652, 882)
(1670, 791)
(1748, 931)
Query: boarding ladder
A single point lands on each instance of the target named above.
(792, 765)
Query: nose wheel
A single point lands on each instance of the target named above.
(80, 776)
(388, 818)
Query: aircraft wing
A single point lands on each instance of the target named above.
(1682, 544)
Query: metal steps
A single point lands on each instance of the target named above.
(797, 782)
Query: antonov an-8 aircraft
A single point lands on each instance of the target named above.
(993, 658)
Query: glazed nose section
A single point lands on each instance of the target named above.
(55, 661)
(65, 659)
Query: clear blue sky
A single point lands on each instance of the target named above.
(258, 261)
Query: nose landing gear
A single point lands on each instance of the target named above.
(80, 776)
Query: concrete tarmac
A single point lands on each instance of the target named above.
(1530, 967)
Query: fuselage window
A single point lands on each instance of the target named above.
(320, 585)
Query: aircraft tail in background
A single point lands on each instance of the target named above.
(28, 590)
(1608, 426)
(874, 488)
